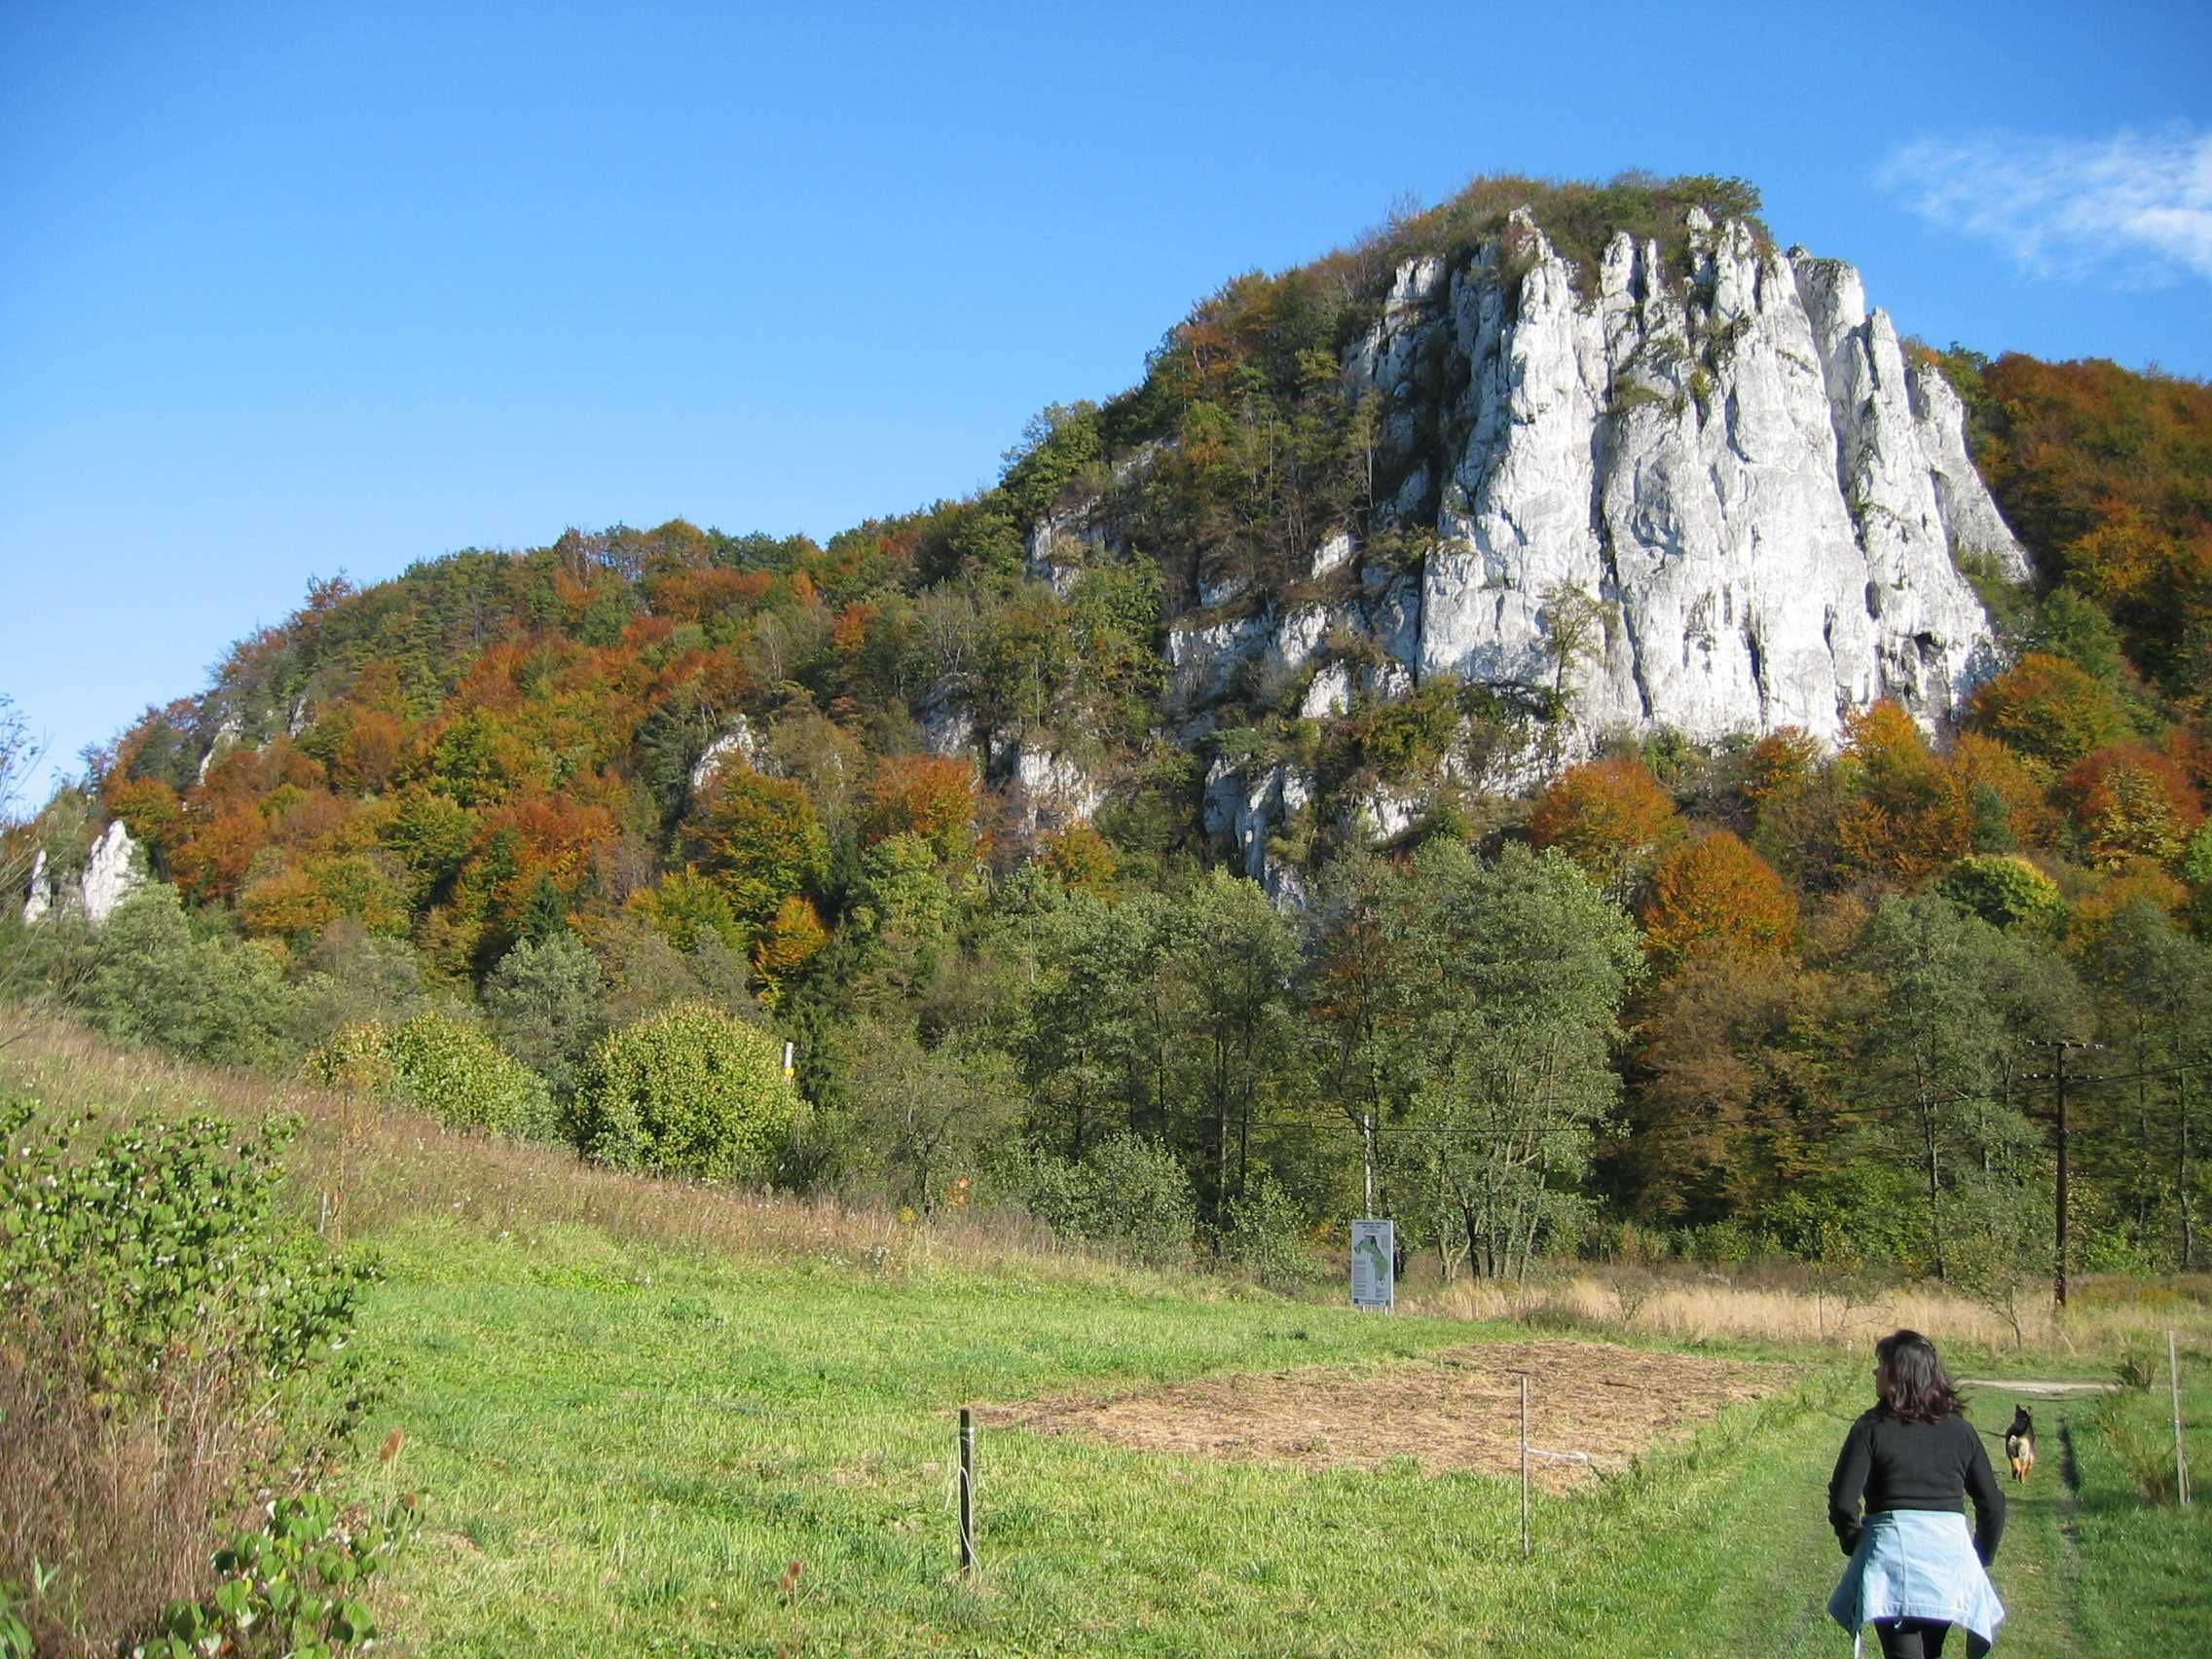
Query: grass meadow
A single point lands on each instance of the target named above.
(652, 1418)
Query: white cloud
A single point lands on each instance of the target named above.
(2132, 205)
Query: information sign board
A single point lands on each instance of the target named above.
(1374, 1264)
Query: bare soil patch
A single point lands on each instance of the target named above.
(1456, 1410)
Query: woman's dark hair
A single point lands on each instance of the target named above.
(1912, 1381)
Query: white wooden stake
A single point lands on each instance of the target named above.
(1524, 1465)
(2181, 1461)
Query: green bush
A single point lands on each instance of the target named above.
(1127, 1192)
(151, 980)
(2003, 891)
(1266, 1236)
(442, 1064)
(292, 1587)
(688, 1091)
(169, 1352)
(453, 1070)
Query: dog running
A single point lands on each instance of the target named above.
(2020, 1444)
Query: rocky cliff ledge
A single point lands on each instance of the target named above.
(1754, 502)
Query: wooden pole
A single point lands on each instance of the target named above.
(2059, 1281)
(966, 1491)
(2181, 1463)
(1524, 1465)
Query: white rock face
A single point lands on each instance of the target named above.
(111, 874)
(1059, 547)
(1248, 810)
(1333, 554)
(1744, 473)
(739, 740)
(112, 871)
(227, 735)
(40, 898)
(1050, 790)
(1329, 694)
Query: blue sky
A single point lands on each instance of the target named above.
(292, 288)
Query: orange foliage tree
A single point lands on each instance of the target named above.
(2051, 709)
(1780, 763)
(1611, 818)
(923, 795)
(1906, 816)
(1715, 896)
(1079, 858)
(2129, 801)
(788, 943)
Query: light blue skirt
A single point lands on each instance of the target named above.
(1916, 1564)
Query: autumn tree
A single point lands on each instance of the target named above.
(2049, 709)
(760, 838)
(1611, 818)
(927, 797)
(1716, 895)
(1905, 815)
(2127, 802)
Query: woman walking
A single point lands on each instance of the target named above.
(1912, 1460)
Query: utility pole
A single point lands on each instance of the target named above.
(2058, 1279)
(2061, 1078)
(1367, 1129)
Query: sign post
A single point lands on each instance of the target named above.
(1374, 1264)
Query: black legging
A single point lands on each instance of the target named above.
(1921, 1639)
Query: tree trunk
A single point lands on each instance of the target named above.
(1934, 1190)
(2181, 1184)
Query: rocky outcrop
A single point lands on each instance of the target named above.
(1247, 809)
(1719, 500)
(112, 871)
(737, 740)
(1047, 790)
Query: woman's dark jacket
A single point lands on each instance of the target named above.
(1894, 1464)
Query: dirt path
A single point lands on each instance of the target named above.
(2038, 1571)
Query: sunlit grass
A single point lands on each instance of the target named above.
(632, 1405)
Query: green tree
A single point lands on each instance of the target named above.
(546, 1002)
(688, 1091)
(925, 1116)
(2003, 891)
(1092, 1037)
(1948, 997)
(1232, 957)
(1528, 964)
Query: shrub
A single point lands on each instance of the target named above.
(169, 1356)
(452, 1069)
(688, 1091)
(1266, 1235)
(150, 981)
(442, 1064)
(1127, 1192)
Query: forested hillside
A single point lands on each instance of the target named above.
(931, 801)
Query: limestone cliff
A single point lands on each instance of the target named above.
(113, 870)
(1754, 501)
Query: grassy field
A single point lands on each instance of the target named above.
(626, 1451)
(631, 1408)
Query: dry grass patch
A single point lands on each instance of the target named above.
(2104, 1320)
(1460, 1410)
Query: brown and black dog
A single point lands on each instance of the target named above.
(2020, 1444)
